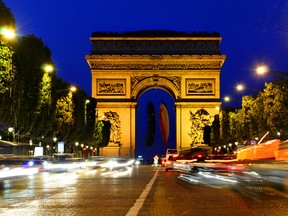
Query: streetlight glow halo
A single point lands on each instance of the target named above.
(262, 69)
(8, 33)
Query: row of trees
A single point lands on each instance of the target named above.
(36, 103)
(264, 112)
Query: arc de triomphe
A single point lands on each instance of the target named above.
(124, 65)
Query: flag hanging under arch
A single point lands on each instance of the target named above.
(164, 123)
(151, 124)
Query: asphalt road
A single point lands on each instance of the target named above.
(143, 191)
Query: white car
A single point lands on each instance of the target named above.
(169, 162)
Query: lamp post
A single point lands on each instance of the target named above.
(11, 132)
(7, 33)
(263, 69)
(227, 98)
(54, 144)
(73, 88)
(76, 144)
(48, 68)
(86, 104)
(242, 87)
(82, 145)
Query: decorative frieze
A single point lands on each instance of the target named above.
(200, 86)
(111, 87)
(195, 65)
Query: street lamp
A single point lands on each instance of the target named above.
(70, 89)
(226, 98)
(54, 144)
(76, 144)
(73, 88)
(262, 69)
(7, 33)
(48, 68)
(11, 132)
(242, 87)
(279, 133)
(82, 145)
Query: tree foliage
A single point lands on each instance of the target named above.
(266, 111)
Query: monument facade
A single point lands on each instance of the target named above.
(125, 65)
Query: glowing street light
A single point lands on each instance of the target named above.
(70, 89)
(48, 68)
(242, 87)
(10, 129)
(8, 33)
(227, 99)
(76, 144)
(73, 88)
(263, 69)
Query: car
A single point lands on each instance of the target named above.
(171, 152)
(163, 160)
(169, 162)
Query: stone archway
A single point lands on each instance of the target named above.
(124, 65)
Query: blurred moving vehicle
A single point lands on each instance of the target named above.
(171, 152)
(65, 163)
(198, 153)
(185, 162)
(163, 160)
(170, 161)
(35, 162)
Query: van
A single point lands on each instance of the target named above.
(171, 152)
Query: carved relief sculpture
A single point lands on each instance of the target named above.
(111, 87)
(199, 120)
(200, 86)
(115, 129)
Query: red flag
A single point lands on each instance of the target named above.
(164, 123)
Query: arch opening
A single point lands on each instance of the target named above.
(149, 140)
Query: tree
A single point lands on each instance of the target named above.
(6, 17)
(32, 88)
(64, 115)
(275, 107)
(7, 70)
(225, 124)
(236, 126)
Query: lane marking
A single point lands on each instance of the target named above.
(139, 202)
